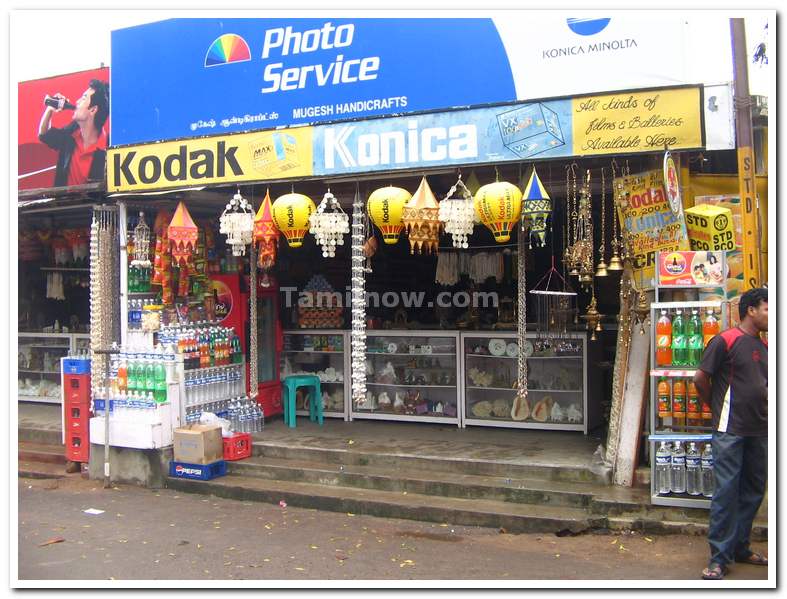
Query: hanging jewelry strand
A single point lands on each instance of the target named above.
(601, 268)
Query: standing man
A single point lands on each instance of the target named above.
(733, 375)
(82, 144)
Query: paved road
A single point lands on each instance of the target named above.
(146, 534)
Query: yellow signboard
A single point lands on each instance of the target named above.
(638, 121)
(648, 223)
(259, 156)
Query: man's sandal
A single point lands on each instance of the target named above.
(714, 572)
(755, 559)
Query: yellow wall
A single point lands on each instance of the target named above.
(703, 185)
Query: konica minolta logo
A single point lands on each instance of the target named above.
(586, 27)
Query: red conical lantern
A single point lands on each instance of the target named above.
(183, 234)
(266, 234)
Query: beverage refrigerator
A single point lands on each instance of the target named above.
(269, 346)
(231, 303)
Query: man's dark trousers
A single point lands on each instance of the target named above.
(740, 466)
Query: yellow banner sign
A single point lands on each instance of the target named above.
(260, 156)
(648, 223)
(638, 121)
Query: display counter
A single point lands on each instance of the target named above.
(462, 378)
(38, 362)
(320, 352)
(557, 381)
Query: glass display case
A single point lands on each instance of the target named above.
(557, 381)
(320, 352)
(38, 362)
(411, 375)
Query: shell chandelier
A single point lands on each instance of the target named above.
(237, 223)
(329, 224)
(458, 214)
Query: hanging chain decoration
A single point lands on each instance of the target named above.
(580, 254)
(569, 235)
(329, 224)
(104, 294)
(458, 214)
(141, 238)
(237, 223)
(615, 263)
(358, 303)
(253, 357)
(601, 267)
(521, 406)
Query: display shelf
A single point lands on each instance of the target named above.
(310, 361)
(673, 372)
(63, 269)
(40, 399)
(38, 371)
(39, 361)
(411, 386)
(47, 346)
(375, 353)
(543, 371)
(703, 433)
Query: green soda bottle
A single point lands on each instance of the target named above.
(695, 340)
(679, 340)
(160, 380)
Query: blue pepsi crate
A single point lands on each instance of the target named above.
(198, 471)
(76, 366)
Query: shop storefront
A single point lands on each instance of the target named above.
(474, 277)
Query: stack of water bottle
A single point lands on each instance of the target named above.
(686, 470)
(245, 415)
(209, 388)
(128, 406)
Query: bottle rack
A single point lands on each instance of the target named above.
(686, 433)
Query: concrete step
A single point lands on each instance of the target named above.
(408, 462)
(389, 504)
(32, 434)
(42, 470)
(433, 482)
(41, 452)
(655, 526)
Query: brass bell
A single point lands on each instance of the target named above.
(615, 263)
(601, 269)
(586, 279)
(574, 271)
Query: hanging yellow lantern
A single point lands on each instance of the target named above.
(498, 206)
(421, 218)
(291, 213)
(385, 208)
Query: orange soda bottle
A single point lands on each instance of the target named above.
(710, 327)
(664, 400)
(693, 406)
(679, 402)
(664, 340)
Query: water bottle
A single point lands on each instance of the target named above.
(663, 469)
(706, 464)
(678, 468)
(693, 474)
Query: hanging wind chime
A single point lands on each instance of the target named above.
(601, 267)
(580, 254)
(554, 310)
(615, 263)
(329, 224)
(457, 214)
(593, 317)
(141, 238)
(237, 223)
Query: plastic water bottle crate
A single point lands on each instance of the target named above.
(76, 366)
(237, 447)
(198, 471)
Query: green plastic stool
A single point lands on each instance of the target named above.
(291, 384)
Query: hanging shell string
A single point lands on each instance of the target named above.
(253, 369)
(522, 316)
(358, 303)
(603, 245)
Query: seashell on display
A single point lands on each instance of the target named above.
(557, 414)
(482, 409)
(398, 405)
(501, 408)
(521, 408)
(383, 399)
(480, 378)
(573, 414)
(542, 409)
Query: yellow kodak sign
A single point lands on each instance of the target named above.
(257, 156)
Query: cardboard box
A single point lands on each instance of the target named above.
(731, 202)
(710, 228)
(198, 444)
